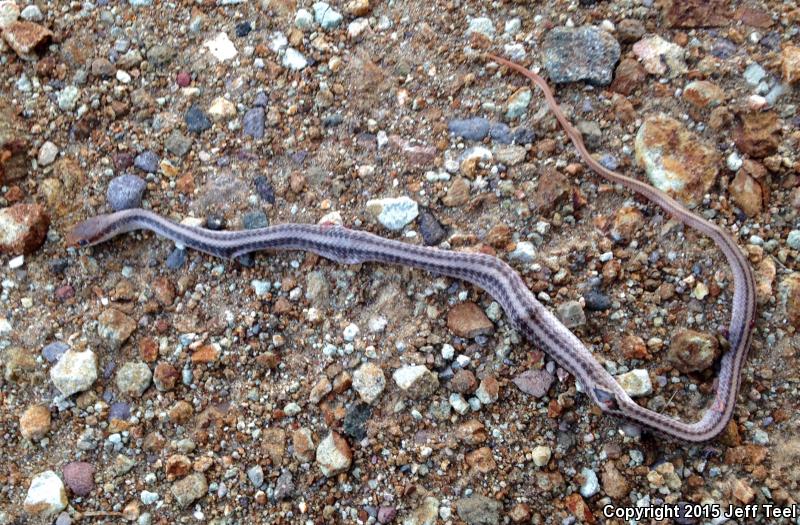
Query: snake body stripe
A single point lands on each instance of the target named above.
(493, 275)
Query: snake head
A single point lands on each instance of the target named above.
(88, 232)
(606, 400)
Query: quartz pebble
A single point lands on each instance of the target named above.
(74, 372)
(333, 455)
(416, 380)
(636, 383)
(369, 381)
(46, 495)
(47, 154)
(393, 213)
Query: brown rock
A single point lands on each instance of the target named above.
(177, 466)
(165, 376)
(692, 351)
(758, 134)
(614, 483)
(25, 38)
(753, 16)
(481, 460)
(115, 327)
(627, 221)
(520, 513)
(472, 432)
(747, 193)
(463, 382)
(675, 159)
(458, 194)
(273, 442)
(790, 64)
(19, 364)
(206, 354)
(790, 294)
(23, 228)
(320, 390)
(534, 382)
(357, 7)
(35, 422)
(743, 492)
(578, 508)
(720, 118)
(189, 489)
(303, 444)
(499, 236)
(629, 30)
(164, 291)
(468, 320)
(746, 455)
(552, 190)
(181, 412)
(702, 94)
(148, 350)
(696, 13)
(628, 76)
(633, 347)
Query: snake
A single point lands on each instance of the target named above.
(524, 312)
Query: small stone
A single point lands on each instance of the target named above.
(743, 492)
(46, 495)
(754, 74)
(79, 477)
(747, 193)
(475, 128)
(221, 109)
(355, 420)
(393, 213)
(463, 382)
(326, 16)
(23, 228)
(294, 59)
(660, 57)
(457, 194)
(479, 510)
(32, 13)
(103, 68)
(416, 380)
(472, 159)
(489, 390)
(178, 144)
(221, 47)
(675, 159)
(253, 122)
(243, 29)
(596, 300)
(256, 475)
(426, 514)
(74, 372)
(369, 381)
(333, 455)
(575, 504)
(636, 383)
(133, 378)
(35, 422)
(177, 465)
(584, 53)
(571, 314)
(284, 486)
(790, 64)
(758, 134)
(196, 120)
(47, 154)
(517, 104)
(125, 192)
(146, 161)
(534, 382)
(614, 483)
(25, 38)
(429, 227)
(553, 189)
(590, 485)
(189, 489)
(793, 240)
(629, 30)
(67, 98)
(9, 12)
(467, 320)
(303, 20)
(303, 445)
(115, 327)
(160, 55)
(482, 26)
(790, 297)
(183, 79)
(541, 455)
(510, 155)
(165, 376)
(703, 94)
(628, 77)
(524, 252)
(387, 514)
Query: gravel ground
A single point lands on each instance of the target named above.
(144, 383)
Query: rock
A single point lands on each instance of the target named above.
(79, 477)
(463, 382)
(591, 132)
(590, 485)
(25, 38)
(146, 161)
(19, 364)
(614, 483)
(333, 455)
(703, 94)
(790, 64)
(636, 383)
(369, 381)
(355, 420)
(67, 98)
(628, 76)
(660, 57)
(74, 372)
(551, 191)
(35, 422)
(575, 504)
(9, 12)
(54, 351)
(393, 213)
(253, 122)
(534, 382)
(467, 320)
(294, 59)
(747, 193)
(115, 327)
(571, 314)
(583, 53)
(221, 109)
(472, 159)
(189, 489)
(510, 155)
(178, 144)
(793, 240)
(790, 297)
(457, 194)
(517, 104)
(221, 47)
(46, 495)
(481, 26)
(629, 30)
(196, 120)
(754, 74)
(696, 13)
(326, 16)
(125, 192)
(103, 68)
(489, 390)
(541, 455)
(160, 55)
(23, 228)
(416, 380)
(47, 154)
(388, 514)
(426, 514)
(758, 134)
(627, 222)
(675, 159)
(165, 376)
(32, 13)
(303, 445)
(475, 128)
(133, 378)
(431, 230)
(284, 486)
(256, 475)
(303, 19)
(479, 510)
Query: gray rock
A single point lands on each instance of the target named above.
(192, 487)
(160, 55)
(74, 372)
(146, 161)
(79, 477)
(582, 53)
(284, 486)
(134, 378)
(178, 144)
(253, 122)
(571, 314)
(326, 16)
(534, 382)
(125, 192)
(54, 351)
(68, 98)
(196, 120)
(475, 128)
(256, 475)
(479, 510)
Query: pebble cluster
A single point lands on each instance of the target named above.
(143, 383)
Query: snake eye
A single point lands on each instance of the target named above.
(606, 399)
(83, 242)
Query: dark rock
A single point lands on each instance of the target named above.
(176, 259)
(432, 231)
(582, 53)
(243, 29)
(253, 122)
(125, 192)
(355, 420)
(79, 477)
(196, 120)
(597, 300)
(475, 128)
(54, 351)
(522, 136)
(215, 222)
(264, 189)
(500, 133)
(146, 161)
(254, 219)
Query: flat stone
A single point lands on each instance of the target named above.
(628, 77)
(692, 351)
(703, 94)
(294, 59)
(696, 13)
(534, 382)
(221, 47)
(571, 314)
(747, 193)
(758, 134)
(189, 489)
(416, 380)
(676, 160)
(35, 422)
(394, 213)
(479, 510)
(582, 53)
(74, 372)
(790, 64)
(47, 154)
(481, 25)
(475, 128)
(221, 109)
(125, 192)
(468, 320)
(326, 16)
(426, 514)
(115, 327)
(46, 495)
(333, 455)
(25, 38)
(636, 383)
(369, 382)
(660, 57)
(133, 378)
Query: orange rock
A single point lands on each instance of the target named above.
(468, 320)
